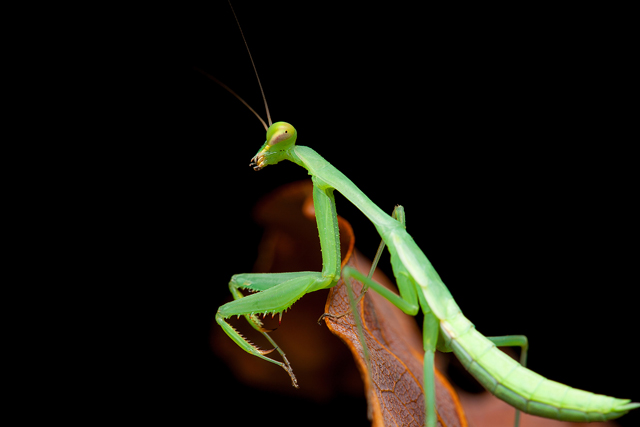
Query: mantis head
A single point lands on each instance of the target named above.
(281, 137)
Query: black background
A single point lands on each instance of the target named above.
(498, 130)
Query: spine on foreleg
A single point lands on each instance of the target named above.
(522, 388)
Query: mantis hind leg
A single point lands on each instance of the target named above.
(514, 341)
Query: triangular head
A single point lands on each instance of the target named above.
(281, 137)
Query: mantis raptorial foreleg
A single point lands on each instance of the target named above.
(257, 282)
(276, 292)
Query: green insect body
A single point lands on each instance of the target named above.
(420, 287)
(522, 388)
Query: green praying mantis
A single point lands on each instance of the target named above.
(445, 328)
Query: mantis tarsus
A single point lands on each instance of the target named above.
(445, 328)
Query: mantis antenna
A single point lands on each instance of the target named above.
(257, 77)
(266, 107)
(239, 99)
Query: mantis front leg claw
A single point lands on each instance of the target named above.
(332, 316)
(287, 367)
(341, 315)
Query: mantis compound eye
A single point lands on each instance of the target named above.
(281, 132)
(280, 138)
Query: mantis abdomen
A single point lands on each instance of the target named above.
(522, 388)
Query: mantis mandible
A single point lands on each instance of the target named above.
(445, 328)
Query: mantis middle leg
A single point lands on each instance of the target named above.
(409, 301)
(398, 214)
(406, 301)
